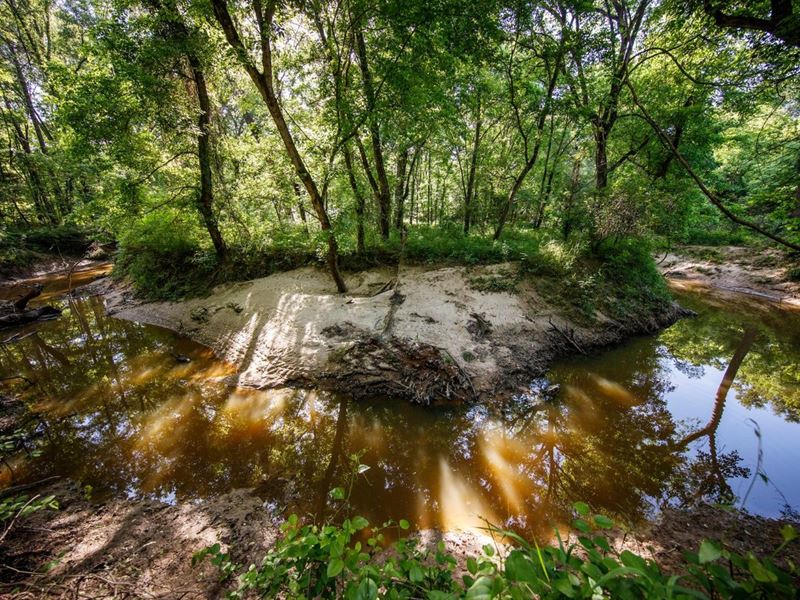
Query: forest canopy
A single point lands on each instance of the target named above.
(262, 134)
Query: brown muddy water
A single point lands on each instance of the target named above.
(115, 406)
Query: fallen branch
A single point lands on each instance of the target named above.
(16, 489)
(22, 302)
(569, 337)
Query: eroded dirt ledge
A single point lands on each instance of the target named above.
(421, 334)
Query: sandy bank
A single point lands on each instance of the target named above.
(732, 270)
(422, 334)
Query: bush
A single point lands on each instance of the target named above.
(164, 257)
(330, 561)
(19, 248)
(628, 264)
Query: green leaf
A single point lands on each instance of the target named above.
(404, 524)
(629, 559)
(367, 590)
(363, 469)
(709, 552)
(760, 572)
(359, 523)
(789, 533)
(335, 567)
(581, 526)
(337, 493)
(581, 508)
(520, 568)
(472, 565)
(564, 586)
(481, 589)
(415, 574)
(603, 522)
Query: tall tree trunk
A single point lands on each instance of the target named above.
(601, 156)
(399, 188)
(264, 83)
(206, 199)
(351, 176)
(383, 196)
(530, 161)
(469, 197)
(45, 211)
(300, 208)
(26, 96)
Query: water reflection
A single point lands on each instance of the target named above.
(637, 427)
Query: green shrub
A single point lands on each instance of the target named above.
(19, 248)
(164, 257)
(629, 266)
(332, 561)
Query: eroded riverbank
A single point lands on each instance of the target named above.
(155, 436)
(423, 334)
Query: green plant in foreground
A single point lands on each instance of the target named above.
(351, 561)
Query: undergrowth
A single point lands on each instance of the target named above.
(167, 259)
(22, 247)
(350, 559)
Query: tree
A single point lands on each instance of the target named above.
(264, 82)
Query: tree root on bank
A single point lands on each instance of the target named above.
(396, 368)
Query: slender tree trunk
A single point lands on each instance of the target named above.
(300, 208)
(26, 96)
(264, 84)
(399, 188)
(206, 199)
(383, 196)
(44, 208)
(469, 197)
(530, 160)
(601, 157)
(351, 176)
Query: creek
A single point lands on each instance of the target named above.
(707, 409)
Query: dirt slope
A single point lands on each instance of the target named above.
(423, 334)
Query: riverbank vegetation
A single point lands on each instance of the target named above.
(328, 561)
(219, 140)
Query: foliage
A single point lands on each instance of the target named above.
(21, 246)
(331, 561)
(22, 506)
(436, 119)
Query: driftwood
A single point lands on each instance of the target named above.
(16, 489)
(19, 305)
(14, 313)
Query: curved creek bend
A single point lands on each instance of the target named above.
(130, 410)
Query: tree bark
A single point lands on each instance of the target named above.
(264, 84)
(206, 199)
(351, 176)
(26, 96)
(469, 197)
(399, 188)
(382, 194)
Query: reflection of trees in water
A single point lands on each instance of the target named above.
(124, 417)
(769, 376)
(707, 475)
